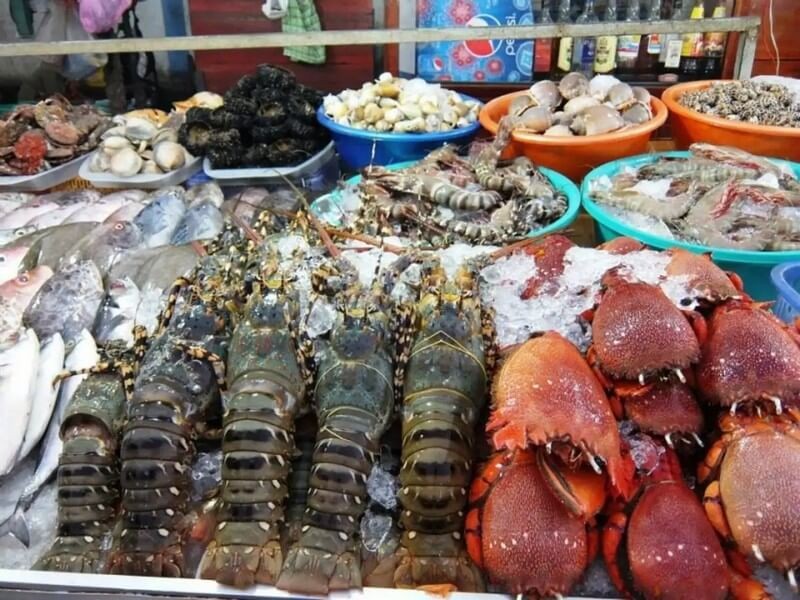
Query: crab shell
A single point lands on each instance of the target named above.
(639, 332)
(546, 392)
(664, 408)
(667, 543)
(520, 533)
(706, 279)
(749, 356)
(622, 245)
(754, 501)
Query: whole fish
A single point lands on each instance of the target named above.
(106, 206)
(156, 267)
(56, 216)
(118, 313)
(25, 213)
(8, 236)
(161, 216)
(51, 362)
(205, 192)
(17, 387)
(82, 356)
(106, 244)
(49, 246)
(15, 296)
(67, 303)
(125, 213)
(65, 198)
(11, 260)
(202, 221)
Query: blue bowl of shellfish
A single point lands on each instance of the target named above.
(359, 148)
(329, 207)
(753, 266)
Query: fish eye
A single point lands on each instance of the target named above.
(2, 259)
(23, 279)
(119, 226)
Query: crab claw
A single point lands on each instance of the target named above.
(547, 392)
(749, 356)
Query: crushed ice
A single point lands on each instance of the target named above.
(382, 487)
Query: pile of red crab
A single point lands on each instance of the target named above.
(599, 452)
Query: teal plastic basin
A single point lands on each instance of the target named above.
(752, 266)
(559, 181)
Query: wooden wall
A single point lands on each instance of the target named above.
(347, 66)
(786, 27)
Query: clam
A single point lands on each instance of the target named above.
(536, 119)
(596, 120)
(140, 129)
(620, 96)
(409, 126)
(559, 131)
(165, 134)
(637, 113)
(373, 113)
(600, 84)
(151, 168)
(579, 104)
(116, 131)
(573, 85)
(169, 156)
(125, 163)
(114, 143)
(100, 162)
(520, 104)
(545, 93)
(642, 95)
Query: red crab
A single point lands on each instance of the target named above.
(749, 357)
(661, 545)
(753, 489)
(522, 534)
(546, 393)
(548, 253)
(622, 245)
(703, 277)
(638, 334)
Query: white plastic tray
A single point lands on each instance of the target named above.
(141, 181)
(264, 175)
(42, 181)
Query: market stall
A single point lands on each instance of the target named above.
(392, 339)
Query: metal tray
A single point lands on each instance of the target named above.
(42, 181)
(43, 585)
(142, 181)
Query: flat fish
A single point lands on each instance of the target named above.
(202, 221)
(51, 362)
(17, 386)
(156, 267)
(161, 216)
(11, 260)
(49, 246)
(15, 296)
(67, 303)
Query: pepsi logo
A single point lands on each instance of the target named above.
(483, 48)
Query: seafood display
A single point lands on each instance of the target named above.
(577, 106)
(267, 119)
(446, 198)
(760, 103)
(718, 197)
(35, 138)
(396, 105)
(136, 144)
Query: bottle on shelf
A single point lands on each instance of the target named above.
(692, 46)
(714, 45)
(584, 48)
(670, 58)
(628, 45)
(605, 58)
(563, 62)
(543, 48)
(650, 48)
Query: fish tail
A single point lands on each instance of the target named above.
(17, 526)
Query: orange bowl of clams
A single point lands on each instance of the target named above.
(576, 124)
(752, 116)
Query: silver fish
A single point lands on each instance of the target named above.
(67, 198)
(56, 216)
(11, 261)
(118, 313)
(106, 206)
(205, 192)
(51, 361)
(156, 267)
(202, 221)
(22, 215)
(15, 296)
(161, 216)
(49, 246)
(106, 244)
(67, 303)
(125, 213)
(8, 236)
(17, 387)
(82, 356)
(12, 200)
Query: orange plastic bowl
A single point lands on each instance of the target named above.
(573, 156)
(690, 126)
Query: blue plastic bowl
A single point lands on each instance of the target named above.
(752, 266)
(559, 181)
(359, 147)
(786, 279)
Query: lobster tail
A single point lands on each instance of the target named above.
(325, 558)
(88, 477)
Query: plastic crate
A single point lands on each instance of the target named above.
(786, 279)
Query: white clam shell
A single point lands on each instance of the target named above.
(151, 168)
(100, 162)
(126, 163)
(139, 129)
(114, 143)
(169, 156)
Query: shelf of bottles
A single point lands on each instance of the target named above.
(665, 58)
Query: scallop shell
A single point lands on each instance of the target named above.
(169, 156)
(126, 163)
